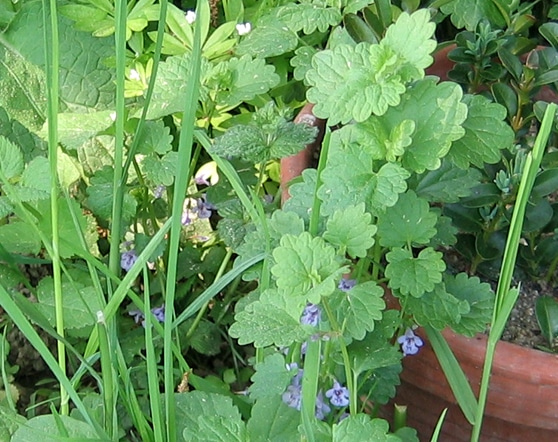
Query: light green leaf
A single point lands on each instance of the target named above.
(29, 143)
(35, 180)
(408, 222)
(361, 428)
(264, 325)
(273, 420)
(271, 377)
(24, 101)
(302, 195)
(414, 276)
(11, 159)
(154, 137)
(169, 92)
(410, 37)
(356, 178)
(302, 61)
(359, 308)
(96, 153)
(351, 230)
(46, 428)
(244, 79)
(195, 410)
(468, 13)
(268, 40)
(217, 429)
(354, 82)
(438, 115)
(86, 80)
(75, 129)
(160, 170)
(80, 303)
(486, 132)
(19, 238)
(309, 16)
(304, 263)
(478, 295)
(100, 196)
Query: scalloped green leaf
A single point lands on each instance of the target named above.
(47, 428)
(479, 296)
(349, 82)
(309, 16)
(160, 170)
(271, 377)
(80, 303)
(486, 133)
(273, 420)
(154, 137)
(359, 308)
(244, 79)
(357, 178)
(362, 428)
(408, 222)
(351, 230)
(266, 324)
(268, 40)
(306, 266)
(437, 308)
(11, 159)
(410, 37)
(414, 276)
(468, 13)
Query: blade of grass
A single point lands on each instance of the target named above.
(50, 26)
(454, 374)
(504, 296)
(181, 183)
(35, 340)
(152, 374)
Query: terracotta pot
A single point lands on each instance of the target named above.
(523, 397)
(522, 401)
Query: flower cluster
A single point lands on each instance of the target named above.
(139, 316)
(293, 395)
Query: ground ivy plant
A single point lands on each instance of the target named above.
(364, 224)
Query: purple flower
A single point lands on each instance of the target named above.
(127, 259)
(346, 284)
(159, 190)
(293, 396)
(139, 317)
(203, 208)
(410, 343)
(310, 315)
(321, 407)
(338, 395)
(207, 174)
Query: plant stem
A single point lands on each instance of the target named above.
(53, 62)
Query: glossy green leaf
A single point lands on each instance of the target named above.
(358, 29)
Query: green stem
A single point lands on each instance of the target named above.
(53, 62)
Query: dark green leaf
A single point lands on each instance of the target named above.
(547, 315)
(358, 29)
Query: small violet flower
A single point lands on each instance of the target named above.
(127, 259)
(243, 28)
(190, 16)
(159, 191)
(322, 408)
(338, 395)
(203, 208)
(310, 315)
(346, 284)
(410, 343)
(139, 317)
